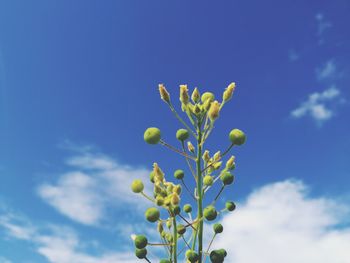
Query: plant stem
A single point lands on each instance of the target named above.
(176, 150)
(199, 191)
(175, 240)
(211, 242)
(181, 120)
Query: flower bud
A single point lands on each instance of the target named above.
(182, 135)
(237, 137)
(158, 173)
(176, 210)
(160, 227)
(187, 208)
(141, 253)
(196, 110)
(206, 104)
(191, 256)
(217, 165)
(151, 177)
(184, 94)
(169, 237)
(230, 206)
(152, 135)
(181, 229)
(226, 178)
(195, 95)
(152, 214)
(210, 213)
(206, 96)
(168, 223)
(208, 180)
(175, 199)
(214, 110)
(228, 92)
(190, 147)
(164, 94)
(177, 189)
(137, 186)
(218, 228)
(230, 164)
(140, 241)
(179, 174)
(159, 200)
(206, 156)
(217, 156)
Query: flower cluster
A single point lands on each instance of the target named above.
(173, 223)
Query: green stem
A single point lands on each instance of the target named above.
(188, 161)
(175, 240)
(200, 192)
(211, 242)
(217, 196)
(181, 120)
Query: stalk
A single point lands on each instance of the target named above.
(200, 192)
(175, 240)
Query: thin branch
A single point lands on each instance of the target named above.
(188, 163)
(207, 252)
(176, 150)
(181, 120)
(188, 190)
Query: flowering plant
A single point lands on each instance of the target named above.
(202, 112)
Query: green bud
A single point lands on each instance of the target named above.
(195, 95)
(206, 96)
(228, 92)
(140, 241)
(137, 186)
(159, 200)
(191, 256)
(164, 261)
(151, 177)
(218, 228)
(179, 174)
(210, 213)
(190, 147)
(222, 252)
(176, 210)
(208, 180)
(237, 137)
(164, 94)
(175, 200)
(226, 178)
(230, 164)
(184, 94)
(187, 208)
(182, 134)
(214, 110)
(177, 189)
(152, 135)
(230, 206)
(152, 214)
(141, 253)
(216, 257)
(181, 229)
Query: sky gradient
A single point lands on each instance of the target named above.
(78, 87)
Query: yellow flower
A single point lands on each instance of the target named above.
(164, 94)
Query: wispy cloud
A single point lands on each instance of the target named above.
(322, 26)
(281, 223)
(328, 71)
(93, 183)
(58, 244)
(319, 105)
(293, 55)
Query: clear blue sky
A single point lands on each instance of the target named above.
(81, 73)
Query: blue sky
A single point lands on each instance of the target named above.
(78, 86)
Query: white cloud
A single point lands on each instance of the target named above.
(327, 71)
(322, 26)
(94, 183)
(281, 223)
(319, 105)
(5, 260)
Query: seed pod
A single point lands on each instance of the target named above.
(226, 178)
(159, 200)
(187, 208)
(152, 135)
(181, 229)
(228, 92)
(206, 96)
(218, 228)
(182, 134)
(140, 241)
(164, 94)
(152, 214)
(195, 95)
(191, 256)
(137, 186)
(179, 174)
(230, 206)
(210, 213)
(176, 210)
(216, 257)
(237, 137)
(141, 253)
(208, 180)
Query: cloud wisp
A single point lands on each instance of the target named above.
(280, 223)
(93, 183)
(319, 105)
